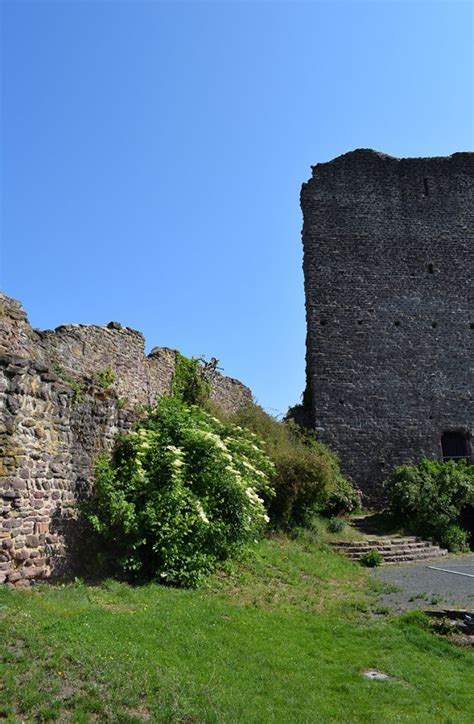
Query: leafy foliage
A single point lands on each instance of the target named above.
(307, 474)
(182, 492)
(344, 498)
(371, 559)
(430, 497)
(105, 377)
(77, 386)
(336, 525)
(188, 383)
(454, 538)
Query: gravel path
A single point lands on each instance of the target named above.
(421, 586)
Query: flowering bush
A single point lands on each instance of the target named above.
(181, 493)
(344, 497)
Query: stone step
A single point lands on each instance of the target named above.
(398, 557)
(382, 543)
(391, 547)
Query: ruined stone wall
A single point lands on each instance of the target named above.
(388, 257)
(54, 422)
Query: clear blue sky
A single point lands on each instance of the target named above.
(153, 154)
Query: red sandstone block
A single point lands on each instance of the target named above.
(32, 572)
(21, 555)
(22, 583)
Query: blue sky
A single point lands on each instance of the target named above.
(153, 154)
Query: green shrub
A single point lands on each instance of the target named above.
(344, 498)
(307, 474)
(454, 538)
(429, 498)
(181, 493)
(336, 525)
(76, 385)
(371, 559)
(105, 377)
(188, 383)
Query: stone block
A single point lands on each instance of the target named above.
(21, 555)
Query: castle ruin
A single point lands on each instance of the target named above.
(56, 419)
(388, 256)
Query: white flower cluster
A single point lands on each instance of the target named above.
(201, 512)
(177, 456)
(258, 503)
(144, 438)
(236, 453)
(212, 437)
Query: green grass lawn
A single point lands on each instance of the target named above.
(283, 637)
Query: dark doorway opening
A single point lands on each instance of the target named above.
(466, 520)
(455, 446)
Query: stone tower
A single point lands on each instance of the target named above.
(388, 257)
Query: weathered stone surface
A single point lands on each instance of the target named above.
(55, 421)
(388, 258)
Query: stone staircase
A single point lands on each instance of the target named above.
(393, 548)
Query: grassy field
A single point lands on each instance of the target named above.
(283, 637)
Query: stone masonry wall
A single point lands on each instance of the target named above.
(388, 258)
(55, 421)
